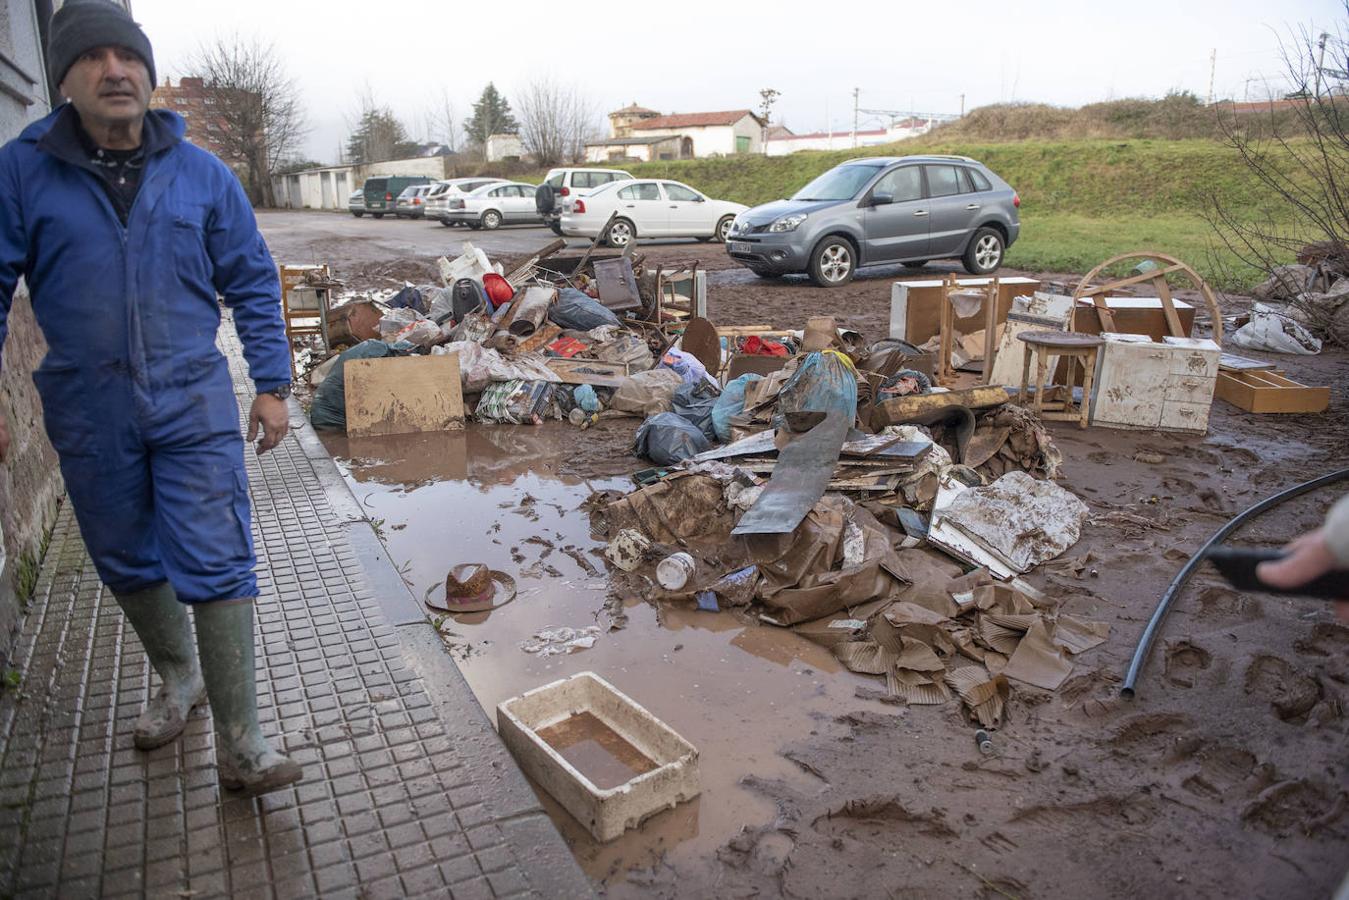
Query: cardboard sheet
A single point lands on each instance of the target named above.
(1039, 661)
(1078, 636)
(403, 395)
(984, 695)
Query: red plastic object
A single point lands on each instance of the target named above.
(498, 289)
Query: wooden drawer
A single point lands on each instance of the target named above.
(1270, 392)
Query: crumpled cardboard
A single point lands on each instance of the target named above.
(984, 695)
(918, 688)
(803, 573)
(674, 509)
(1078, 636)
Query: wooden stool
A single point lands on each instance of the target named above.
(1082, 349)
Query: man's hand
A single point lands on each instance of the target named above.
(271, 413)
(4, 438)
(1305, 558)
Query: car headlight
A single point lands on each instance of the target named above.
(740, 226)
(788, 223)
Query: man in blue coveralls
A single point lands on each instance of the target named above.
(125, 235)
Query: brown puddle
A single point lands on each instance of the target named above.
(595, 750)
(735, 689)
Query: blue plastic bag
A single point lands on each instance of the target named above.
(824, 381)
(666, 439)
(584, 397)
(731, 403)
(578, 311)
(694, 403)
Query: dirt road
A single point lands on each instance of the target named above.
(1228, 775)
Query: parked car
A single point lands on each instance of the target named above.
(411, 204)
(442, 192)
(563, 183)
(908, 210)
(382, 191)
(650, 208)
(494, 205)
(356, 203)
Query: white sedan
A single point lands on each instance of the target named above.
(650, 209)
(494, 205)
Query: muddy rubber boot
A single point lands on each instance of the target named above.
(225, 642)
(161, 624)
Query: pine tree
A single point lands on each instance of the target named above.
(491, 115)
(379, 136)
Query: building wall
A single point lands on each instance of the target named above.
(641, 152)
(196, 103)
(714, 140)
(30, 482)
(503, 146)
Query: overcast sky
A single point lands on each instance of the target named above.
(697, 55)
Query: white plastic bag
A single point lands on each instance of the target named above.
(1273, 331)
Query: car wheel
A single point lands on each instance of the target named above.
(358, 214)
(474, 225)
(723, 229)
(491, 220)
(446, 222)
(833, 263)
(984, 254)
(378, 215)
(914, 264)
(620, 233)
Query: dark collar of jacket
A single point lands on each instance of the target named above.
(61, 136)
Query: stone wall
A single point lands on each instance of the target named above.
(30, 483)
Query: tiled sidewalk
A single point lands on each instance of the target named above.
(407, 790)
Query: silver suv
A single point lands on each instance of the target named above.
(866, 212)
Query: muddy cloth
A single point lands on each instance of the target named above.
(329, 409)
(668, 438)
(694, 404)
(577, 311)
(823, 382)
(138, 400)
(833, 560)
(674, 509)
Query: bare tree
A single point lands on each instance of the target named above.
(556, 121)
(443, 122)
(256, 106)
(1298, 150)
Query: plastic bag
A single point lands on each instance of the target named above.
(1270, 330)
(646, 393)
(583, 395)
(694, 403)
(666, 439)
(515, 403)
(576, 311)
(394, 321)
(823, 382)
(731, 403)
(329, 409)
(480, 366)
(441, 308)
(408, 298)
(625, 348)
(687, 365)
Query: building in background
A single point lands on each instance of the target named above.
(636, 132)
(198, 103)
(782, 142)
(503, 147)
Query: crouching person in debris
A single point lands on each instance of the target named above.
(125, 233)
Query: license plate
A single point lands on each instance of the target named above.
(740, 247)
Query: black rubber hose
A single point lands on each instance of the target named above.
(1183, 576)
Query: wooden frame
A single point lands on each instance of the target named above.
(945, 372)
(1269, 391)
(1169, 266)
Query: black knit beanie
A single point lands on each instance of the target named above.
(81, 25)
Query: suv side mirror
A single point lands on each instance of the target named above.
(881, 199)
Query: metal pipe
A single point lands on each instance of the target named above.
(1183, 576)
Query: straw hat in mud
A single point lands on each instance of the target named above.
(473, 587)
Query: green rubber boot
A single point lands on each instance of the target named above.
(161, 624)
(225, 642)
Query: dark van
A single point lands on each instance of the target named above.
(381, 192)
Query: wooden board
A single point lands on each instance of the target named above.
(915, 306)
(403, 395)
(1270, 392)
(609, 374)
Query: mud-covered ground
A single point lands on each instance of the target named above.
(1227, 775)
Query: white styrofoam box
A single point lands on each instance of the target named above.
(606, 813)
(1141, 383)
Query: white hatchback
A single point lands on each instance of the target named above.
(494, 205)
(442, 192)
(649, 208)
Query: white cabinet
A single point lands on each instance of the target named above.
(1166, 385)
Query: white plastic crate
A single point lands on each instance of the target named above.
(608, 761)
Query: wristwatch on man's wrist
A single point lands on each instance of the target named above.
(280, 392)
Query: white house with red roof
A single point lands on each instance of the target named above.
(636, 132)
